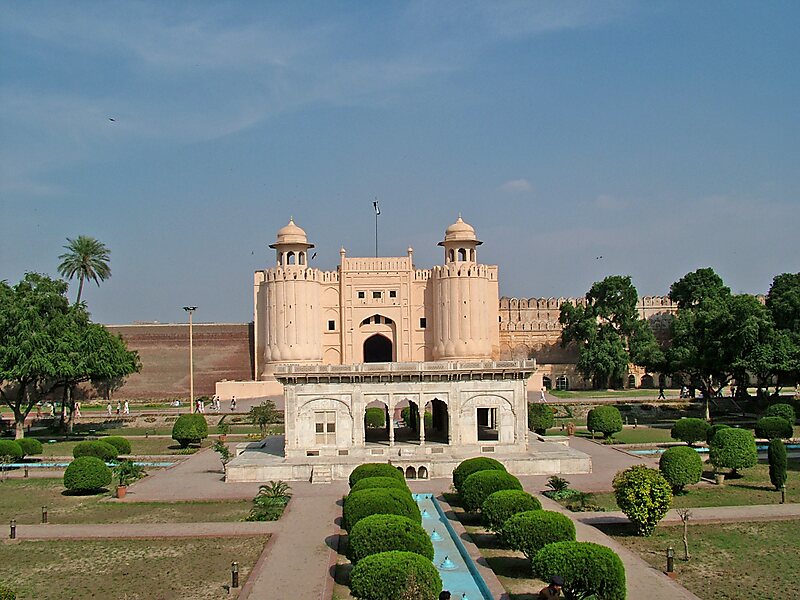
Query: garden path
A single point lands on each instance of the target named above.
(142, 530)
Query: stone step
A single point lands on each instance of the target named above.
(321, 474)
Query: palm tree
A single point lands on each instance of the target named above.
(88, 259)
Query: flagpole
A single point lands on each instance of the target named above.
(377, 212)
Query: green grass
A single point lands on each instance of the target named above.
(185, 569)
(736, 560)
(22, 499)
(753, 487)
(640, 435)
(139, 446)
(589, 394)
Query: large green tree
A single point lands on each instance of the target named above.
(609, 332)
(86, 258)
(783, 303)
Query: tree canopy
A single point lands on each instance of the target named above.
(86, 258)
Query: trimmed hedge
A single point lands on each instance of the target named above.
(375, 418)
(782, 410)
(774, 427)
(393, 575)
(87, 474)
(587, 569)
(733, 449)
(473, 465)
(383, 533)
(776, 456)
(11, 449)
(379, 501)
(479, 486)
(375, 470)
(531, 531)
(122, 445)
(369, 483)
(98, 449)
(190, 429)
(30, 446)
(681, 466)
(502, 505)
(644, 495)
(540, 418)
(690, 430)
(605, 419)
(712, 431)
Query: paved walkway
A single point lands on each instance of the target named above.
(713, 514)
(142, 530)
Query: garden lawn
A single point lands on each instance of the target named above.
(22, 499)
(640, 435)
(733, 560)
(753, 488)
(589, 394)
(139, 446)
(164, 569)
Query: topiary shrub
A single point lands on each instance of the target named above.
(540, 418)
(690, 430)
(712, 431)
(502, 505)
(383, 533)
(644, 495)
(122, 445)
(98, 449)
(604, 419)
(379, 482)
(11, 449)
(531, 531)
(190, 429)
(587, 569)
(479, 486)
(375, 418)
(473, 465)
(6, 593)
(393, 575)
(776, 456)
(30, 446)
(87, 474)
(375, 470)
(773, 427)
(782, 410)
(378, 501)
(681, 466)
(733, 449)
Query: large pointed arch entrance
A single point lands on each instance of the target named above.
(378, 348)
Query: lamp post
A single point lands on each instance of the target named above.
(670, 560)
(190, 310)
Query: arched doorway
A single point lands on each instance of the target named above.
(377, 348)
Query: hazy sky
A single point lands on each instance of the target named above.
(661, 136)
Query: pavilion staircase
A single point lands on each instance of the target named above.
(321, 474)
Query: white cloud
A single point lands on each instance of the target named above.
(517, 186)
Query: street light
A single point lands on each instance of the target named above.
(190, 310)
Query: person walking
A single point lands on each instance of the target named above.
(119, 407)
(108, 409)
(126, 409)
(661, 395)
(233, 403)
(543, 396)
(77, 410)
(553, 590)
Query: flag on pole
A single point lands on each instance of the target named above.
(377, 210)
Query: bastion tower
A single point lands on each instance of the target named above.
(464, 293)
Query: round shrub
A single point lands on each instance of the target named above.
(712, 431)
(6, 593)
(383, 533)
(733, 449)
(98, 449)
(379, 482)
(479, 486)
(393, 575)
(531, 531)
(643, 495)
(379, 501)
(540, 418)
(502, 505)
(375, 470)
(11, 449)
(681, 466)
(87, 474)
(375, 418)
(587, 569)
(190, 429)
(473, 465)
(690, 430)
(122, 445)
(604, 419)
(776, 456)
(773, 427)
(782, 410)
(30, 446)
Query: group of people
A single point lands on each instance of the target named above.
(216, 404)
(551, 592)
(121, 408)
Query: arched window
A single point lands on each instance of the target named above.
(631, 381)
(422, 473)
(647, 381)
(290, 258)
(452, 255)
(562, 383)
(302, 256)
(411, 473)
(547, 383)
(462, 254)
(472, 254)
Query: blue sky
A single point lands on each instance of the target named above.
(663, 137)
